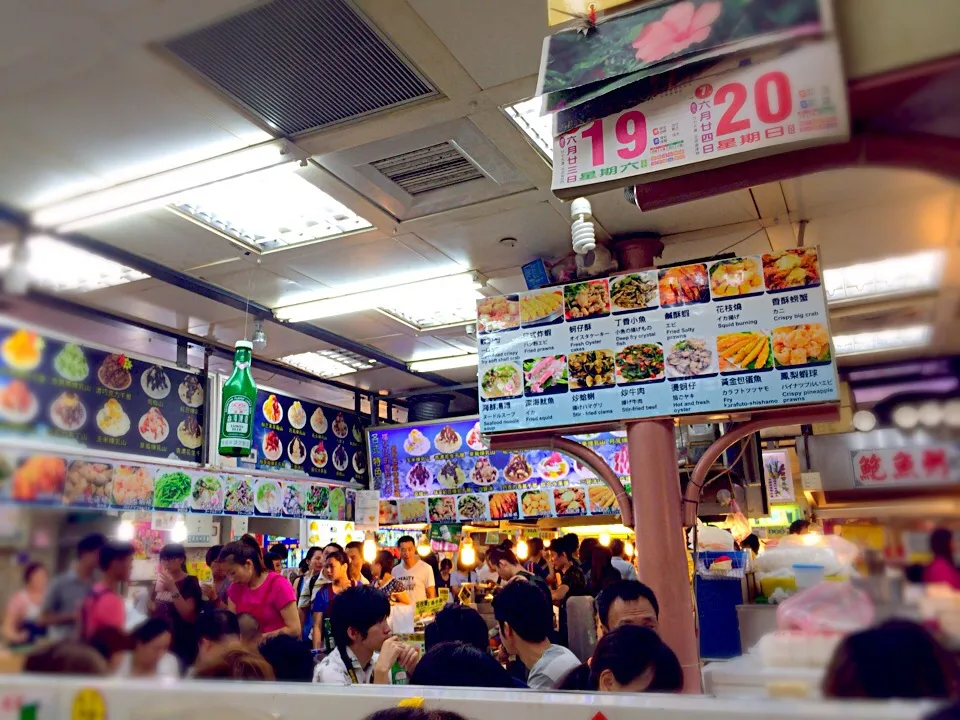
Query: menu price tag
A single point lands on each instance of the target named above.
(796, 99)
(432, 606)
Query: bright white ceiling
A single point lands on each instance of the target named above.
(87, 103)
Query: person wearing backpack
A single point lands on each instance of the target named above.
(104, 605)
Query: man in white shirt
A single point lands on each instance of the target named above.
(365, 651)
(619, 561)
(486, 573)
(416, 576)
(525, 617)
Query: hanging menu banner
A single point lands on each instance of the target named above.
(795, 100)
(97, 399)
(53, 480)
(733, 334)
(322, 441)
(443, 473)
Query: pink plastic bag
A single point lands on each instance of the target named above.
(827, 607)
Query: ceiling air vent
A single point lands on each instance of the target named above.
(300, 65)
(430, 168)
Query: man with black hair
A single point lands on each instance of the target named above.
(357, 566)
(104, 606)
(509, 569)
(282, 552)
(572, 580)
(460, 624)
(65, 595)
(619, 560)
(273, 562)
(365, 650)
(526, 619)
(627, 602)
(290, 658)
(417, 577)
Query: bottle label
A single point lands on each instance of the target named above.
(238, 412)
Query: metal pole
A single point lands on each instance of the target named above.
(660, 543)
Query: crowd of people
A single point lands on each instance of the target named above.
(330, 623)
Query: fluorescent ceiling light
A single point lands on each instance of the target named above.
(159, 189)
(457, 308)
(269, 209)
(893, 276)
(445, 363)
(59, 267)
(425, 292)
(329, 363)
(883, 340)
(539, 128)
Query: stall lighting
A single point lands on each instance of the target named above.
(906, 417)
(270, 209)
(894, 276)
(883, 340)
(468, 555)
(125, 531)
(423, 547)
(864, 420)
(158, 189)
(56, 266)
(628, 549)
(604, 539)
(539, 128)
(444, 363)
(329, 363)
(424, 291)
(522, 550)
(178, 533)
(369, 551)
(811, 539)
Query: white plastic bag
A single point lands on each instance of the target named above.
(831, 607)
(713, 538)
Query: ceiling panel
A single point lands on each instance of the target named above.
(538, 228)
(618, 216)
(346, 262)
(856, 188)
(363, 326)
(410, 348)
(161, 304)
(471, 31)
(259, 284)
(166, 238)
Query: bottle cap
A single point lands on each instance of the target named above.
(244, 344)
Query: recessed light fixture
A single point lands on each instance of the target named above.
(329, 363)
(894, 276)
(269, 209)
(864, 420)
(424, 292)
(539, 128)
(56, 266)
(444, 363)
(158, 189)
(906, 417)
(882, 340)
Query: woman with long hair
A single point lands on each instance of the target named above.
(335, 569)
(258, 591)
(176, 600)
(382, 569)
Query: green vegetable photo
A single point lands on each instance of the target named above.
(171, 489)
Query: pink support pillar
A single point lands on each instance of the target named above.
(660, 543)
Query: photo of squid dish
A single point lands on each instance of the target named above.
(637, 291)
(791, 269)
(498, 313)
(736, 277)
(795, 345)
(591, 369)
(744, 351)
(587, 299)
(684, 285)
(546, 375)
(540, 307)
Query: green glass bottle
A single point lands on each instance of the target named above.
(239, 400)
(328, 644)
(398, 675)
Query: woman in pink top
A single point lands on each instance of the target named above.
(942, 571)
(255, 590)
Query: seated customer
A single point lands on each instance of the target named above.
(67, 657)
(290, 658)
(150, 656)
(365, 651)
(457, 623)
(234, 662)
(113, 645)
(526, 619)
(628, 659)
(454, 664)
(627, 602)
(216, 629)
(896, 659)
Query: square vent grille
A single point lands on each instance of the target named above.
(302, 64)
(430, 168)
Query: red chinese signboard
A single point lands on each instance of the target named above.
(890, 467)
